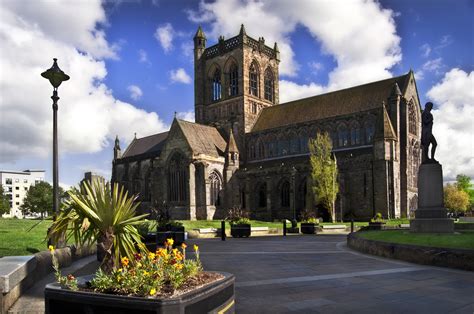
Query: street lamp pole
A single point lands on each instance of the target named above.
(55, 76)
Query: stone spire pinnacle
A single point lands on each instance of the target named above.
(231, 145)
(200, 33)
(242, 30)
(396, 90)
(117, 142)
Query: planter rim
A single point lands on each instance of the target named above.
(227, 280)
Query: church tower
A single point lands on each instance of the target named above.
(234, 80)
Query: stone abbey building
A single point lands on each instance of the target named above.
(246, 149)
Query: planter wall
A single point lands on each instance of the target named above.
(217, 297)
(376, 226)
(240, 231)
(174, 232)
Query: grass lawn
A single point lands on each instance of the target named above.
(17, 237)
(462, 240)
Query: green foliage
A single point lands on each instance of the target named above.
(238, 216)
(324, 172)
(463, 183)
(39, 198)
(309, 216)
(97, 213)
(377, 218)
(455, 200)
(4, 202)
(68, 281)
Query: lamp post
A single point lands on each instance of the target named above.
(55, 76)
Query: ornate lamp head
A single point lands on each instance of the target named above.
(55, 75)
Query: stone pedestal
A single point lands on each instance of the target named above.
(431, 216)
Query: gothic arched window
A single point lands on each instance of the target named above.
(269, 84)
(216, 85)
(262, 195)
(355, 134)
(412, 125)
(285, 194)
(215, 188)
(369, 132)
(342, 136)
(253, 78)
(233, 80)
(260, 150)
(177, 179)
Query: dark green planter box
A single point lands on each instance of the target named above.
(240, 231)
(376, 226)
(169, 232)
(217, 297)
(293, 230)
(308, 228)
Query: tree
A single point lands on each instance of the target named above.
(4, 203)
(455, 200)
(324, 172)
(39, 198)
(463, 183)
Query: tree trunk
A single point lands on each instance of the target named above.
(105, 243)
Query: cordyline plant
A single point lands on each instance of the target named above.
(98, 213)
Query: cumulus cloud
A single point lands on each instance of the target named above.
(291, 91)
(186, 115)
(135, 92)
(365, 24)
(89, 116)
(164, 34)
(453, 127)
(180, 76)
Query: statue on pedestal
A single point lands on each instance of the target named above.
(427, 136)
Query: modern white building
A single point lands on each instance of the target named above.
(16, 184)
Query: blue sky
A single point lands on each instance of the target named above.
(131, 67)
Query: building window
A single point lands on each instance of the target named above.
(283, 147)
(355, 135)
(269, 85)
(216, 85)
(17, 203)
(17, 195)
(215, 188)
(253, 77)
(262, 195)
(17, 180)
(369, 133)
(10, 189)
(343, 136)
(25, 180)
(26, 189)
(254, 108)
(412, 125)
(294, 145)
(177, 179)
(8, 181)
(233, 80)
(304, 142)
(285, 194)
(260, 150)
(17, 188)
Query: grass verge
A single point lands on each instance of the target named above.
(460, 240)
(22, 236)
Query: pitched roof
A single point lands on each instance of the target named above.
(337, 103)
(384, 128)
(231, 145)
(203, 139)
(146, 145)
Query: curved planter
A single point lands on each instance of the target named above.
(445, 257)
(308, 228)
(217, 297)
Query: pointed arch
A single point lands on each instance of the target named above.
(177, 178)
(355, 133)
(412, 118)
(284, 193)
(215, 79)
(262, 194)
(231, 71)
(215, 181)
(269, 84)
(254, 78)
(343, 135)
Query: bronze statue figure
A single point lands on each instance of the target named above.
(427, 136)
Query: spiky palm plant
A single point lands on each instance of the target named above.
(97, 213)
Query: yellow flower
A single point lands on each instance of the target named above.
(183, 245)
(196, 248)
(120, 270)
(178, 266)
(51, 248)
(145, 273)
(125, 261)
(151, 255)
(169, 242)
(153, 291)
(119, 278)
(139, 264)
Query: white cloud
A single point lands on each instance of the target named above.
(419, 75)
(291, 91)
(425, 50)
(433, 65)
(89, 116)
(143, 56)
(453, 127)
(180, 76)
(315, 67)
(164, 34)
(135, 92)
(365, 45)
(186, 115)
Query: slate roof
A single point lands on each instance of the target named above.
(203, 139)
(337, 103)
(152, 144)
(231, 145)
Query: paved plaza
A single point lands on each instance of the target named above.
(319, 274)
(314, 274)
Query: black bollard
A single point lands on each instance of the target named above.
(352, 225)
(223, 230)
(284, 227)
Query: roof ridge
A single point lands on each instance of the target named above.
(204, 125)
(152, 135)
(337, 91)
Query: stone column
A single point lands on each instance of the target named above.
(431, 215)
(269, 197)
(192, 192)
(293, 193)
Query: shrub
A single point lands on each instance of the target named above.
(309, 216)
(238, 216)
(377, 218)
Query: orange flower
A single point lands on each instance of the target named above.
(125, 261)
(183, 245)
(178, 266)
(151, 255)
